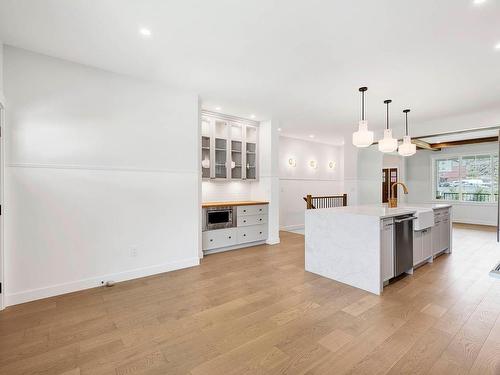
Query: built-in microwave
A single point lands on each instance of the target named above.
(219, 218)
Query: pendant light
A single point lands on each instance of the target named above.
(388, 144)
(407, 148)
(363, 137)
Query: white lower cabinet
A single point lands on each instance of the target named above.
(422, 245)
(214, 239)
(251, 226)
(441, 232)
(387, 248)
(252, 233)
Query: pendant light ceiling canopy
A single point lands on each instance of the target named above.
(407, 148)
(363, 137)
(388, 143)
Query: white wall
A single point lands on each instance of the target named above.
(216, 191)
(102, 177)
(419, 177)
(297, 182)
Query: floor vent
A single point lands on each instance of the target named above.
(495, 272)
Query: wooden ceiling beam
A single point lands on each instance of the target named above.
(424, 145)
(463, 142)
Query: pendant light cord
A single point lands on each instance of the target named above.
(362, 90)
(362, 106)
(406, 126)
(387, 102)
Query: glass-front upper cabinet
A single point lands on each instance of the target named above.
(228, 148)
(221, 136)
(205, 148)
(251, 152)
(236, 151)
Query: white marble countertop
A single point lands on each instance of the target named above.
(382, 211)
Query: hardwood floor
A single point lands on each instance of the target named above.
(256, 311)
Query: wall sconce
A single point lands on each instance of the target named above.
(332, 165)
(313, 164)
(292, 162)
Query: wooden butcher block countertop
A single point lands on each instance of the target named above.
(232, 203)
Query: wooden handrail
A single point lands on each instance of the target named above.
(326, 201)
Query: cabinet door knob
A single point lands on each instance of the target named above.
(260, 232)
(244, 210)
(260, 219)
(244, 235)
(211, 240)
(244, 221)
(229, 236)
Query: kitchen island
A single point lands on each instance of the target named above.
(367, 246)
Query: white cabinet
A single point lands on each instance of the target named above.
(251, 228)
(228, 148)
(422, 246)
(214, 239)
(387, 248)
(441, 232)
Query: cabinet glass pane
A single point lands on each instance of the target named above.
(236, 159)
(205, 157)
(236, 172)
(251, 161)
(236, 131)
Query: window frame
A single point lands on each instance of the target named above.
(459, 156)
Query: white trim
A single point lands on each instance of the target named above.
(3, 302)
(100, 168)
(233, 247)
(292, 227)
(58, 289)
(476, 222)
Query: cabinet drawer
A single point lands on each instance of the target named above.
(252, 210)
(244, 221)
(253, 233)
(214, 239)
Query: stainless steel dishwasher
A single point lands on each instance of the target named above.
(403, 244)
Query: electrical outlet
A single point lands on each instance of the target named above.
(133, 252)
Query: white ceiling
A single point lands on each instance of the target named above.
(297, 61)
(461, 136)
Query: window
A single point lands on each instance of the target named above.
(467, 178)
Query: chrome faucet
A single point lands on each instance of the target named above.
(393, 202)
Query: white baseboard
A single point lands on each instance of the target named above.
(292, 227)
(74, 286)
(476, 222)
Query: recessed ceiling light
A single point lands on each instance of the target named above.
(478, 2)
(311, 135)
(279, 129)
(252, 116)
(145, 32)
(218, 108)
(497, 46)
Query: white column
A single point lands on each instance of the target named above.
(267, 187)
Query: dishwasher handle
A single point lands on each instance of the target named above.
(405, 219)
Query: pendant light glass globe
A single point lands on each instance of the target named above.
(388, 144)
(363, 137)
(407, 148)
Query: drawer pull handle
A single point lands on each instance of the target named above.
(211, 240)
(244, 210)
(244, 221)
(229, 237)
(244, 235)
(260, 219)
(260, 232)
